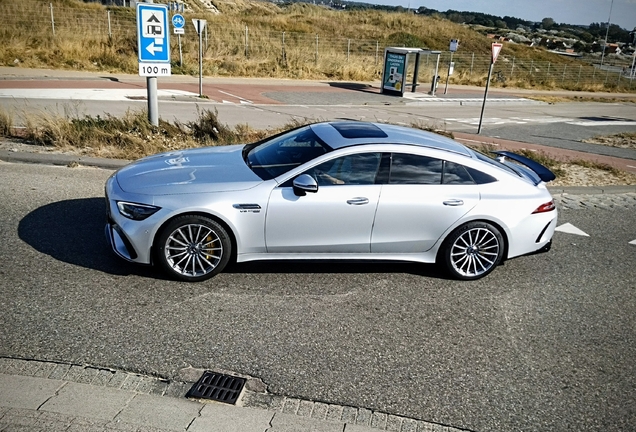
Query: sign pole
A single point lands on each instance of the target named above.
(200, 59)
(454, 44)
(180, 52)
(483, 105)
(496, 48)
(153, 102)
(178, 25)
(200, 25)
(450, 62)
(151, 96)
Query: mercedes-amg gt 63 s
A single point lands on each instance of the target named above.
(334, 190)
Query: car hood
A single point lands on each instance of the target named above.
(209, 169)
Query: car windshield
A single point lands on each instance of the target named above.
(283, 152)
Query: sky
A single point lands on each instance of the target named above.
(561, 11)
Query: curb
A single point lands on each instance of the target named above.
(295, 411)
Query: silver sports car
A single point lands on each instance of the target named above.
(332, 190)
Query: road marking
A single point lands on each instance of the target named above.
(633, 242)
(238, 97)
(544, 120)
(571, 229)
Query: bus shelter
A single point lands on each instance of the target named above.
(396, 68)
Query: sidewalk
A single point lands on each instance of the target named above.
(54, 397)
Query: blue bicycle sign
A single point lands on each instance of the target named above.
(178, 24)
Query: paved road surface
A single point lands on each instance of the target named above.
(546, 342)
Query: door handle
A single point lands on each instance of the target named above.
(358, 201)
(453, 202)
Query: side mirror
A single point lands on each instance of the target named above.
(304, 183)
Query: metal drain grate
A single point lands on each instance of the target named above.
(218, 387)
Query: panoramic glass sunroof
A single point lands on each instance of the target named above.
(359, 130)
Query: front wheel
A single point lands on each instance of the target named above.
(473, 250)
(193, 248)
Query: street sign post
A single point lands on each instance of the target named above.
(153, 48)
(178, 25)
(153, 37)
(199, 25)
(454, 44)
(496, 49)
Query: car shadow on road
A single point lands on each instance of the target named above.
(72, 231)
(336, 267)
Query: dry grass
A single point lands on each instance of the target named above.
(6, 123)
(559, 99)
(349, 44)
(130, 136)
(577, 172)
(133, 137)
(621, 140)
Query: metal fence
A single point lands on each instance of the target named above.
(298, 50)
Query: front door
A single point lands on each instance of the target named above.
(338, 218)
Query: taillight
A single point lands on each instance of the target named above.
(543, 208)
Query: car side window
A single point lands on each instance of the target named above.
(415, 169)
(456, 174)
(355, 169)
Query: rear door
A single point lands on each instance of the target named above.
(423, 198)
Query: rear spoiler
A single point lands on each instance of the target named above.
(538, 170)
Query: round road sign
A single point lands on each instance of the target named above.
(178, 21)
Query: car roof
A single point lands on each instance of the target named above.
(339, 134)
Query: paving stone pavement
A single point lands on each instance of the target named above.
(39, 396)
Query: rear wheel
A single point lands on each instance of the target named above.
(193, 248)
(473, 250)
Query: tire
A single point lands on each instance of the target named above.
(473, 250)
(193, 248)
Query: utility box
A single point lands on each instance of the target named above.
(396, 66)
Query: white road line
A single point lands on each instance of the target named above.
(235, 96)
(543, 120)
(568, 228)
(633, 242)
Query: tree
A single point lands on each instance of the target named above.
(579, 46)
(501, 24)
(547, 23)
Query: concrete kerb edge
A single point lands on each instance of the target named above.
(156, 386)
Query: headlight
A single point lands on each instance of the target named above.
(136, 211)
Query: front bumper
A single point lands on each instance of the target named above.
(120, 243)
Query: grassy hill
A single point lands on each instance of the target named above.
(252, 38)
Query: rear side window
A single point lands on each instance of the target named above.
(415, 169)
(480, 177)
(456, 174)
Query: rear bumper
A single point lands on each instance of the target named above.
(533, 234)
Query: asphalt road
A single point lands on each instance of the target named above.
(546, 342)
